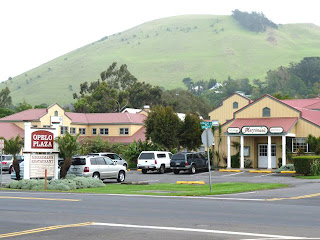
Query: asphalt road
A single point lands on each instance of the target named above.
(290, 213)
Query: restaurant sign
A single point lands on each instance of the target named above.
(233, 130)
(276, 130)
(39, 163)
(254, 130)
(42, 139)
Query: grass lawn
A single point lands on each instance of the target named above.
(171, 189)
(308, 177)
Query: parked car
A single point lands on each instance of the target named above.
(97, 167)
(13, 173)
(7, 161)
(188, 161)
(154, 161)
(113, 156)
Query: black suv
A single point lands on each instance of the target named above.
(188, 161)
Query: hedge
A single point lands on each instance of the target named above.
(305, 164)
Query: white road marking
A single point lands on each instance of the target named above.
(265, 175)
(232, 174)
(196, 230)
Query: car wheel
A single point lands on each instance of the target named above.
(96, 175)
(161, 169)
(192, 169)
(121, 176)
(125, 165)
(176, 171)
(144, 171)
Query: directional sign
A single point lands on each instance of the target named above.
(204, 138)
(205, 125)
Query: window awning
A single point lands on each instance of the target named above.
(286, 123)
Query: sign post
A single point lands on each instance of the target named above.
(1, 147)
(207, 140)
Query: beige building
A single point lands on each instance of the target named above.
(115, 127)
(265, 128)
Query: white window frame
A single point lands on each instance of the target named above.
(75, 131)
(82, 131)
(124, 131)
(104, 131)
(63, 130)
(293, 142)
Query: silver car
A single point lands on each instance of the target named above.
(114, 157)
(97, 167)
(7, 161)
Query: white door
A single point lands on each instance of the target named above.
(263, 156)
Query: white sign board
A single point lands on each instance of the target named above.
(55, 120)
(210, 137)
(233, 130)
(254, 130)
(276, 130)
(39, 163)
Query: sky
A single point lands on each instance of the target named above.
(36, 31)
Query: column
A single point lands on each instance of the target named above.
(241, 152)
(269, 152)
(284, 160)
(229, 152)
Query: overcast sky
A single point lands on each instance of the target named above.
(36, 31)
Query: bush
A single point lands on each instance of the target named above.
(288, 167)
(315, 168)
(303, 164)
(235, 161)
(70, 183)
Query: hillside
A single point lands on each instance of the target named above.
(164, 51)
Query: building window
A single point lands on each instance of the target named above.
(63, 130)
(104, 131)
(266, 112)
(300, 145)
(94, 131)
(72, 130)
(34, 126)
(82, 131)
(56, 113)
(46, 126)
(235, 105)
(124, 131)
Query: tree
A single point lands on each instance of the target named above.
(190, 132)
(314, 144)
(23, 106)
(5, 98)
(13, 146)
(162, 127)
(68, 146)
(6, 112)
(141, 93)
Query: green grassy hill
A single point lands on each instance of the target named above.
(164, 51)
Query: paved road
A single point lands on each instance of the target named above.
(234, 216)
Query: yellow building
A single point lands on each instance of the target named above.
(115, 127)
(265, 128)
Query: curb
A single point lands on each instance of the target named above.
(288, 172)
(229, 170)
(139, 170)
(190, 182)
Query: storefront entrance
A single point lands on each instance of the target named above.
(263, 155)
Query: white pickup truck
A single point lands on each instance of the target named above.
(154, 161)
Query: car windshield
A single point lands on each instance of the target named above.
(78, 161)
(94, 154)
(178, 157)
(146, 156)
(6, 157)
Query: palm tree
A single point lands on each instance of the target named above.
(13, 146)
(68, 146)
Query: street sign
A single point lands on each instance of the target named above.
(205, 125)
(204, 138)
(1, 144)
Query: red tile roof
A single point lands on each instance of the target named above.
(106, 118)
(285, 122)
(27, 115)
(10, 130)
(301, 103)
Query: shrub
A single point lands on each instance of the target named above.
(303, 164)
(315, 167)
(235, 161)
(288, 167)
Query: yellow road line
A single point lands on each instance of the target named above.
(260, 171)
(190, 182)
(294, 198)
(36, 230)
(229, 170)
(45, 199)
(288, 172)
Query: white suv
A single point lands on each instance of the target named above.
(97, 167)
(154, 160)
